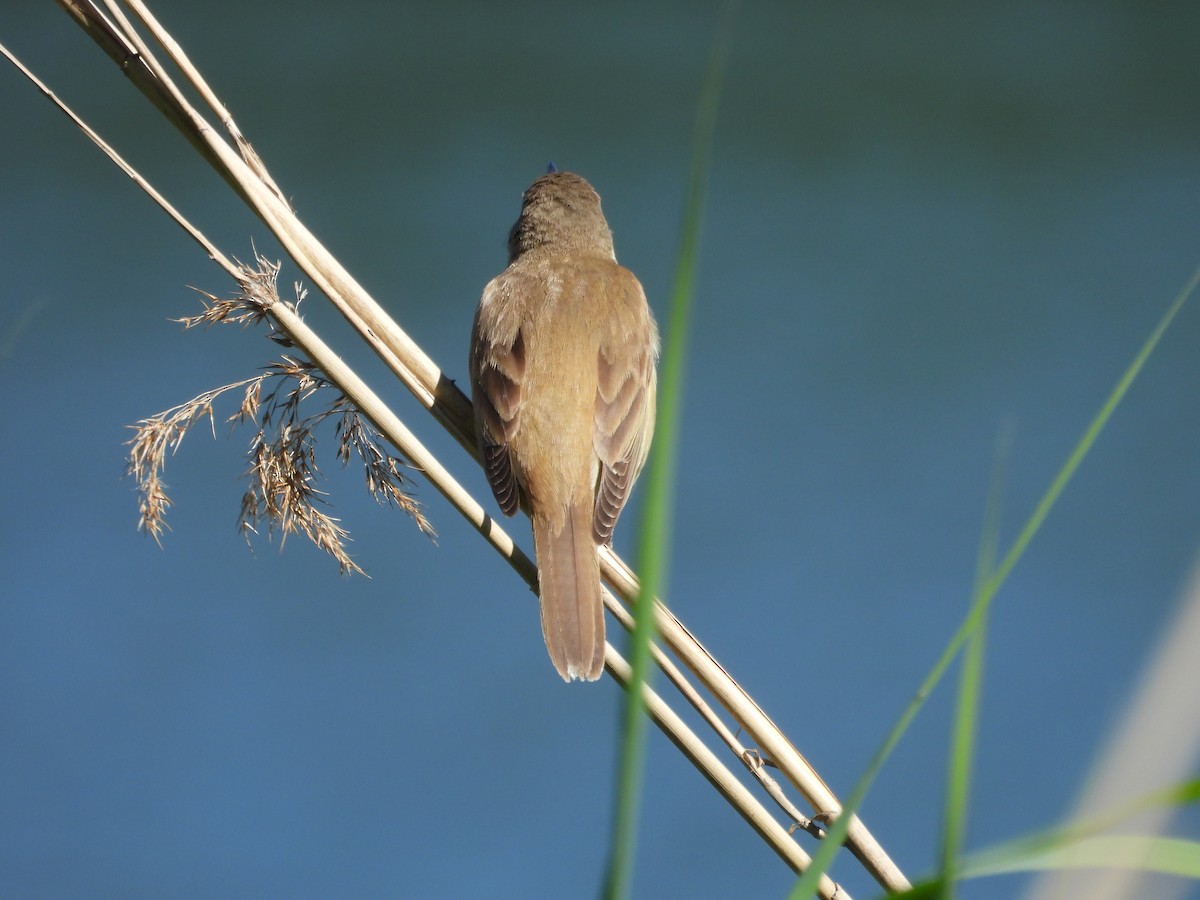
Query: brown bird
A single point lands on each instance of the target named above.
(563, 354)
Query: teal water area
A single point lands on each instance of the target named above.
(927, 223)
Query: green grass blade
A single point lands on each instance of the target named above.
(1093, 431)
(806, 885)
(961, 756)
(962, 749)
(1168, 856)
(1144, 853)
(1016, 855)
(655, 532)
(1051, 849)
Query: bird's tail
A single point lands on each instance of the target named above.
(569, 585)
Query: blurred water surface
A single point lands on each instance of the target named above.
(926, 223)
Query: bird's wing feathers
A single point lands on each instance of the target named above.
(625, 397)
(497, 371)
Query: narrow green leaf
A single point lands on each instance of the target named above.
(655, 533)
(962, 749)
(807, 883)
(1012, 855)
(1147, 853)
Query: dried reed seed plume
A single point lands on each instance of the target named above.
(152, 438)
(258, 292)
(283, 477)
(283, 471)
(384, 477)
